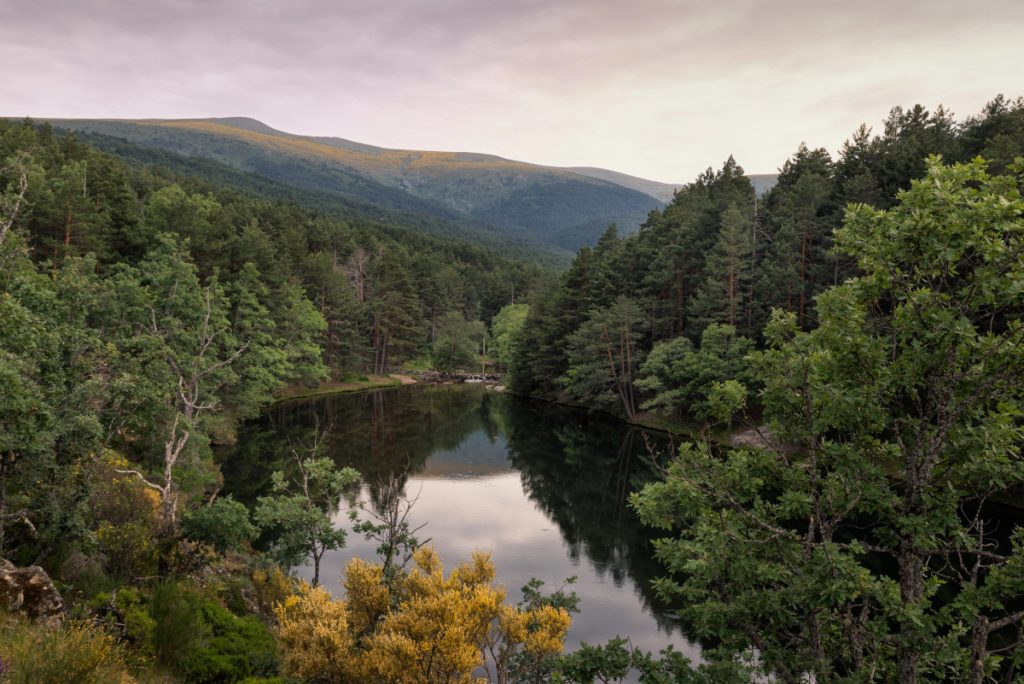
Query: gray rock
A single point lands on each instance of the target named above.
(30, 591)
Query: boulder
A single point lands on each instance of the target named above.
(30, 592)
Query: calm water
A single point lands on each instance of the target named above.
(541, 487)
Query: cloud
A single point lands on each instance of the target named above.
(661, 88)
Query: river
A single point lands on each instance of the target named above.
(542, 488)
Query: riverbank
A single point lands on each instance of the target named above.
(358, 384)
(648, 419)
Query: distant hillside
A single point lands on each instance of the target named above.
(555, 207)
(329, 203)
(660, 191)
(762, 182)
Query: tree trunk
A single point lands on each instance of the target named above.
(68, 220)
(803, 278)
(979, 649)
(911, 591)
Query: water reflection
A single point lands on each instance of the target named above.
(543, 488)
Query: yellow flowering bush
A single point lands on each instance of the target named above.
(433, 628)
(126, 518)
(272, 587)
(76, 652)
(313, 633)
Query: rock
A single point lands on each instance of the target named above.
(449, 377)
(757, 437)
(30, 592)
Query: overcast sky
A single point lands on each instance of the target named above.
(655, 88)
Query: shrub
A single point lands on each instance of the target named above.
(224, 525)
(423, 627)
(233, 647)
(85, 575)
(176, 619)
(78, 652)
(124, 614)
(125, 518)
(272, 586)
(204, 641)
(129, 549)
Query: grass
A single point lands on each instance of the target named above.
(421, 363)
(353, 383)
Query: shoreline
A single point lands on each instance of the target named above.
(646, 419)
(293, 392)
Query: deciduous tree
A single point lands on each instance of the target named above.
(299, 512)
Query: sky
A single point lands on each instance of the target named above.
(656, 88)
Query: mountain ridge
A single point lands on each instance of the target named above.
(562, 208)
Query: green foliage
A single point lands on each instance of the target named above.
(724, 295)
(687, 381)
(506, 332)
(458, 343)
(206, 643)
(224, 524)
(121, 286)
(175, 617)
(233, 648)
(299, 512)
(139, 626)
(604, 356)
(615, 660)
(870, 544)
(720, 254)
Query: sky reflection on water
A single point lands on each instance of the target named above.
(539, 487)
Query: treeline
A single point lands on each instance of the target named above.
(872, 305)
(653, 319)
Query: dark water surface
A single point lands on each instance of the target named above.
(542, 488)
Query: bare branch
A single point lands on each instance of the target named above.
(9, 207)
(136, 473)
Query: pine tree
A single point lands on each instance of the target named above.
(724, 295)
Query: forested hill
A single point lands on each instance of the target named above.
(327, 202)
(720, 254)
(556, 208)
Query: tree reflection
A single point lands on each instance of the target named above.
(578, 468)
(380, 434)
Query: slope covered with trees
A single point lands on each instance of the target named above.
(143, 314)
(510, 200)
(722, 255)
(869, 309)
(147, 313)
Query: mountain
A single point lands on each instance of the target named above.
(661, 191)
(762, 182)
(182, 168)
(553, 207)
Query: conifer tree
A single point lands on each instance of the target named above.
(723, 297)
